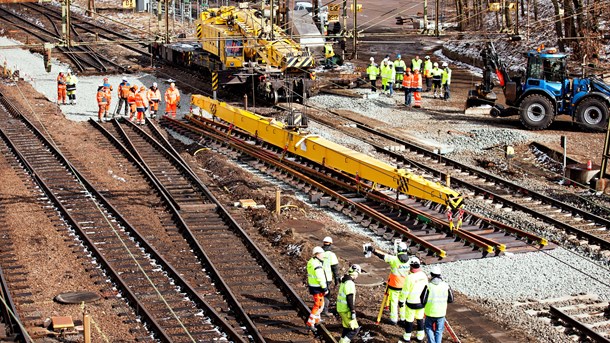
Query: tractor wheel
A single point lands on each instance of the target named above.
(536, 112)
(592, 114)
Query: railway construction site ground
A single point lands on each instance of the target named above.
(499, 299)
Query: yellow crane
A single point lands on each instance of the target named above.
(243, 42)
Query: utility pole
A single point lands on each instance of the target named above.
(65, 21)
(606, 156)
(344, 28)
(167, 40)
(355, 29)
(271, 14)
(425, 16)
(436, 29)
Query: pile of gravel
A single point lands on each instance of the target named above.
(478, 140)
(536, 275)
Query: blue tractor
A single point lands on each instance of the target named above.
(545, 92)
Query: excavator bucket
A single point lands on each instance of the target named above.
(477, 98)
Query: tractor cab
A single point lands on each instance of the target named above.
(546, 70)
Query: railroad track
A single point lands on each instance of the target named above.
(84, 58)
(583, 318)
(421, 224)
(171, 308)
(11, 324)
(230, 259)
(133, 44)
(584, 225)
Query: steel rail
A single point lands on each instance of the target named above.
(132, 155)
(605, 244)
(272, 161)
(136, 41)
(9, 312)
(580, 326)
(78, 61)
(277, 277)
(297, 169)
(487, 245)
(84, 48)
(140, 308)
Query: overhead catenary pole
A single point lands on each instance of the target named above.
(425, 16)
(436, 28)
(65, 22)
(355, 29)
(167, 40)
(343, 27)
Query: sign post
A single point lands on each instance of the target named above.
(214, 84)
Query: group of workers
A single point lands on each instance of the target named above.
(411, 79)
(136, 100)
(410, 294)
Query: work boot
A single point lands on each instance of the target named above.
(313, 329)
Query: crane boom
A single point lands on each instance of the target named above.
(330, 154)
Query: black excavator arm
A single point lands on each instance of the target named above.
(483, 93)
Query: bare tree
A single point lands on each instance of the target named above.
(558, 26)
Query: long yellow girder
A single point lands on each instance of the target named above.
(329, 154)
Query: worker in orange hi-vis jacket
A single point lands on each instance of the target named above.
(172, 100)
(416, 85)
(108, 88)
(131, 101)
(102, 100)
(154, 97)
(61, 88)
(140, 105)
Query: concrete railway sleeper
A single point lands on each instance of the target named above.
(572, 220)
(153, 287)
(195, 208)
(372, 208)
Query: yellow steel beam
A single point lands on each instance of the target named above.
(329, 154)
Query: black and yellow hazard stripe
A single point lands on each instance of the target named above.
(199, 31)
(215, 81)
(299, 62)
(455, 202)
(403, 185)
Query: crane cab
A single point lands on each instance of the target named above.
(216, 37)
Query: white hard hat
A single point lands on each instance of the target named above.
(372, 59)
(402, 247)
(154, 84)
(328, 239)
(354, 269)
(414, 261)
(318, 250)
(445, 64)
(427, 57)
(435, 64)
(124, 78)
(436, 270)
